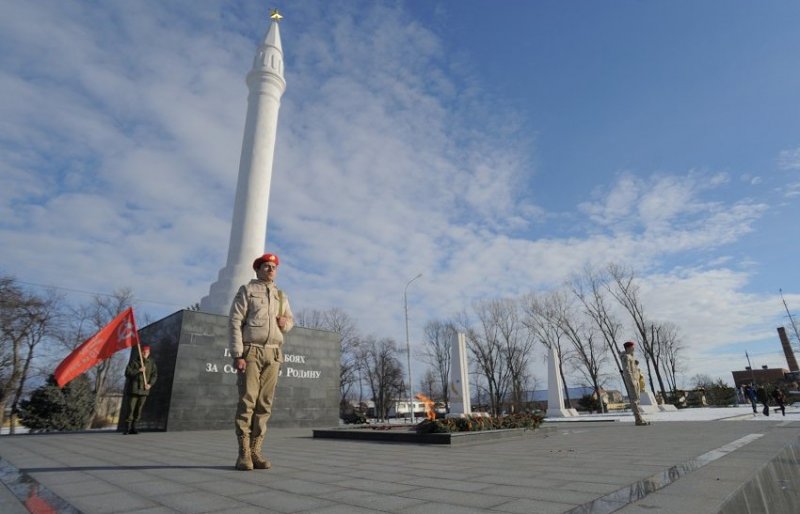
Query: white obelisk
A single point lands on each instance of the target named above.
(555, 389)
(460, 403)
(249, 226)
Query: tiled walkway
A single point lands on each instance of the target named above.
(570, 467)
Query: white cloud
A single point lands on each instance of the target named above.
(670, 212)
(617, 205)
(122, 141)
(791, 190)
(789, 159)
(751, 179)
(718, 321)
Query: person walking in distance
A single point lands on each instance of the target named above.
(632, 377)
(141, 373)
(260, 315)
(763, 398)
(751, 395)
(780, 400)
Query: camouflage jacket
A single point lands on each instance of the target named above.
(254, 316)
(135, 378)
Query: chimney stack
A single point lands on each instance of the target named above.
(787, 350)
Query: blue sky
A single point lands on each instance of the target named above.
(495, 146)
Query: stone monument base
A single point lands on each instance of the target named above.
(562, 412)
(648, 403)
(648, 409)
(196, 387)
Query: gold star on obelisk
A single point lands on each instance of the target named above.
(275, 15)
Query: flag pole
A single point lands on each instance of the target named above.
(141, 362)
(139, 348)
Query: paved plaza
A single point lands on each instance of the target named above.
(674, 465)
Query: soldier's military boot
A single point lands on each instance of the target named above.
(259, 461)
(127, 429)
(245, 460)
(132, 428)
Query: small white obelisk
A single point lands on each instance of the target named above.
(460, 403)
(249, 225)
(555, 389)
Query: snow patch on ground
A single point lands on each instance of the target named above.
(742, 413)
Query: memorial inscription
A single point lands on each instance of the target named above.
(227, 367)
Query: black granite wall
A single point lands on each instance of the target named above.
(196, 387)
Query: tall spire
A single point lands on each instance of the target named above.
(269, 56)
(266, 84)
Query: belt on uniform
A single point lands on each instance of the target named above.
(263, 345)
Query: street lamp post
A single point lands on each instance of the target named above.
(749, 365)
(408, 350)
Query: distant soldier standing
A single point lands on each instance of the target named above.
(259, 316)
(632, 377)
(141, 374)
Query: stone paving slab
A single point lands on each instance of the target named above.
(563, 469)
(9, 503)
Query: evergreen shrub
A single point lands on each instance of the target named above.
(51, 408)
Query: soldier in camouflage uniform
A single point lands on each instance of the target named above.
(141, 375)
(260, 315)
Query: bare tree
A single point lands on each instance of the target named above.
(15, 322)
(589, 352)
(47, 315)
(26, 320)
(429, 384)
(671, 348)
(625, 290)
(439, 336)
(383, 372)
(486, 347)
(543, 317)
(336, 320)
(517, 345)
(701, 380)
(590, 288)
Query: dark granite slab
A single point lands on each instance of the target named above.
(196, 387)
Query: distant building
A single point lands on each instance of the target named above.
(400, 409)
(539, 397)
(761, 376)
(367, 407)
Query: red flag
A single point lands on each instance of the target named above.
(119, 334)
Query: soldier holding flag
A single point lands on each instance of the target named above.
(141, 374)
(119, 334)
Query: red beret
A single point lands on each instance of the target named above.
(267, 257)
(145, 348)
(628, 344)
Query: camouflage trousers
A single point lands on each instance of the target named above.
(257, 389)
(135, 406)
(633, 396)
